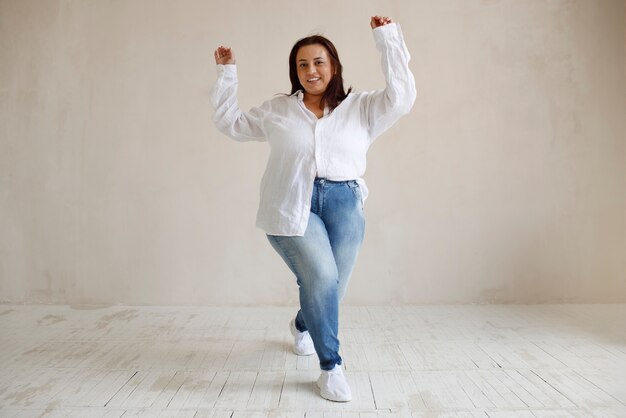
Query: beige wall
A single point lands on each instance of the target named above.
(506, 183)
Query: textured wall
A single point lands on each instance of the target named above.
(506, 183)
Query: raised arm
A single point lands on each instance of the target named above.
(228, 117)
(382, 108)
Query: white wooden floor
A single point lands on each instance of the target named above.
(423, 361)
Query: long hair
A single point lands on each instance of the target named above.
(335, 91)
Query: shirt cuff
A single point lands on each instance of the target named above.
(226, 70)
(388, 31)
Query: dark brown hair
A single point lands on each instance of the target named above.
(335, 91)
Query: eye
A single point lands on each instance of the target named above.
(319, 63)
(302, 65)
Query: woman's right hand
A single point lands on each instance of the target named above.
(224, 56)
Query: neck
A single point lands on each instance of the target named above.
(314, 99)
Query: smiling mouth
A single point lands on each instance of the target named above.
(312, 80)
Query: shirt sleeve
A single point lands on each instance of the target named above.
(228, 117)
(382, 108)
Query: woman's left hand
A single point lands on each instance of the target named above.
(378, 21)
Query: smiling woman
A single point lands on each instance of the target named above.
(314, 73)
(314, 67)
(312, 192)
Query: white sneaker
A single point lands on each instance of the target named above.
(303, 344)
(333, 385)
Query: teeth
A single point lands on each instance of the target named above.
(313, 79)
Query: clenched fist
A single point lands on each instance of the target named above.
(224, 56)
(378, 21)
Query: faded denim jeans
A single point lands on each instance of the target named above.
(323, 260)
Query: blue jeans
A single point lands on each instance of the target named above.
(323, 260)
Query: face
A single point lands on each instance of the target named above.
(315, 69)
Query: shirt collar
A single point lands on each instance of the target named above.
(300, 95)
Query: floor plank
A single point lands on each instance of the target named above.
(401, 361)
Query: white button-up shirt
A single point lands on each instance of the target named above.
(304, 147)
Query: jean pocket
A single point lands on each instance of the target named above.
(354, 186)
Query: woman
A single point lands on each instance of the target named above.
(312, 192)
